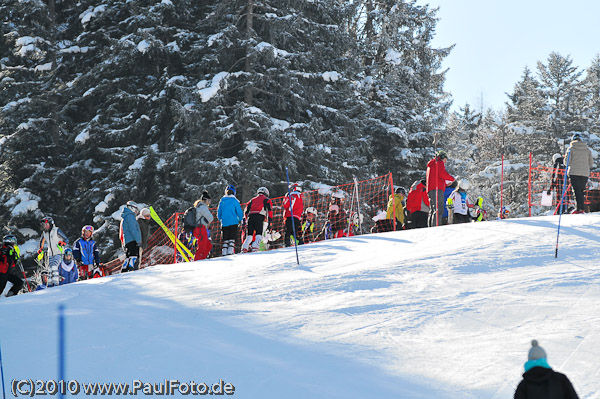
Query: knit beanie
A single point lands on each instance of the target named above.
(536, 351)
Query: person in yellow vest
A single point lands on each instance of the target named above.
(396, 207)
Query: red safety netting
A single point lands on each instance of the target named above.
(543, 192)
(358, 203)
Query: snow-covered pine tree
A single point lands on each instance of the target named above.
(402, 84)
(560, 81)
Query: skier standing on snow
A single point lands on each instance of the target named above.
(436, 184)
(396, 208)
(308, 225)
(204, 218)
(580, 162)
(54, 240)
(230, 214)
(336, 219)
(557, 179)
(540, 381)
(297, 210)
(68, 268)
(10, 284)
(131, 236)
(460, 202)
(258, 210)
(143, 220)
(417, 204)
(86, 254)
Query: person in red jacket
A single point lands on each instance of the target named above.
(417, 204)
(258, 210)
(297, 210)
(436, 184)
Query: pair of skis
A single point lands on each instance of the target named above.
(183, 250)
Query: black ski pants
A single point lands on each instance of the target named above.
(578, 183)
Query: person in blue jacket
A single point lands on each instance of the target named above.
(68, 268)
(86, 254)
(131, 236)
(230, 215)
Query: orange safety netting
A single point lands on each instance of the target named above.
(358, 204)
(542, 192)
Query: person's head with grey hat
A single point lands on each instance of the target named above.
(540, 381)
(536, 352)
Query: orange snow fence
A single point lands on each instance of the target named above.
(358, 202)
(543, 193)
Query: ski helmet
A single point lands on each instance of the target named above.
(400, 190)
(48, 220)
(555, 157)
(88, 228)
(464, 184)
(68, 252)
(145, 212)
(231, 188)
(311, 209)
(10, 239)
(132, 205)
(441, 154)
(263, 190)
(296, 187)
(576, 137)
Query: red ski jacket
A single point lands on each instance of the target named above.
(416, 197)
(260, 205)
(437, 175)
(297, 205)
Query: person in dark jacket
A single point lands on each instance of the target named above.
(557, 179)
(143, 219)
(540, 381)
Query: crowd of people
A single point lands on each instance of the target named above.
(436, 200)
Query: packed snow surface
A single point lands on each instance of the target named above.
(446, 312)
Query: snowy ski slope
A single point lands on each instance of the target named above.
(446, 312)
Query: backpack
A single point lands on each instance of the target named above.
(189, 220)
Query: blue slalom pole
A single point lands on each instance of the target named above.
(560, 204)
(61, 349)
(2, 374)
(287, 176)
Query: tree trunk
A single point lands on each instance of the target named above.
(249, 90)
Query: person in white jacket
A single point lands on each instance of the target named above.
(461, 202)
(53, 241)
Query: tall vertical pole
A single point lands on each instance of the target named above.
(560, 204)
(502, 178)
(393, 200)
(358, 204)
(61, 349)
(287, 176)
(529, 185)
(2, 374)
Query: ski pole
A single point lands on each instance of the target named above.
(24, 275)
(2, 374)
(61, 348)
(287, 176)
(562, 198)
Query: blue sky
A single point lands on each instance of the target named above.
(496, 39)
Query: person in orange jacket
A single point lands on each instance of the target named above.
(436, 184)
